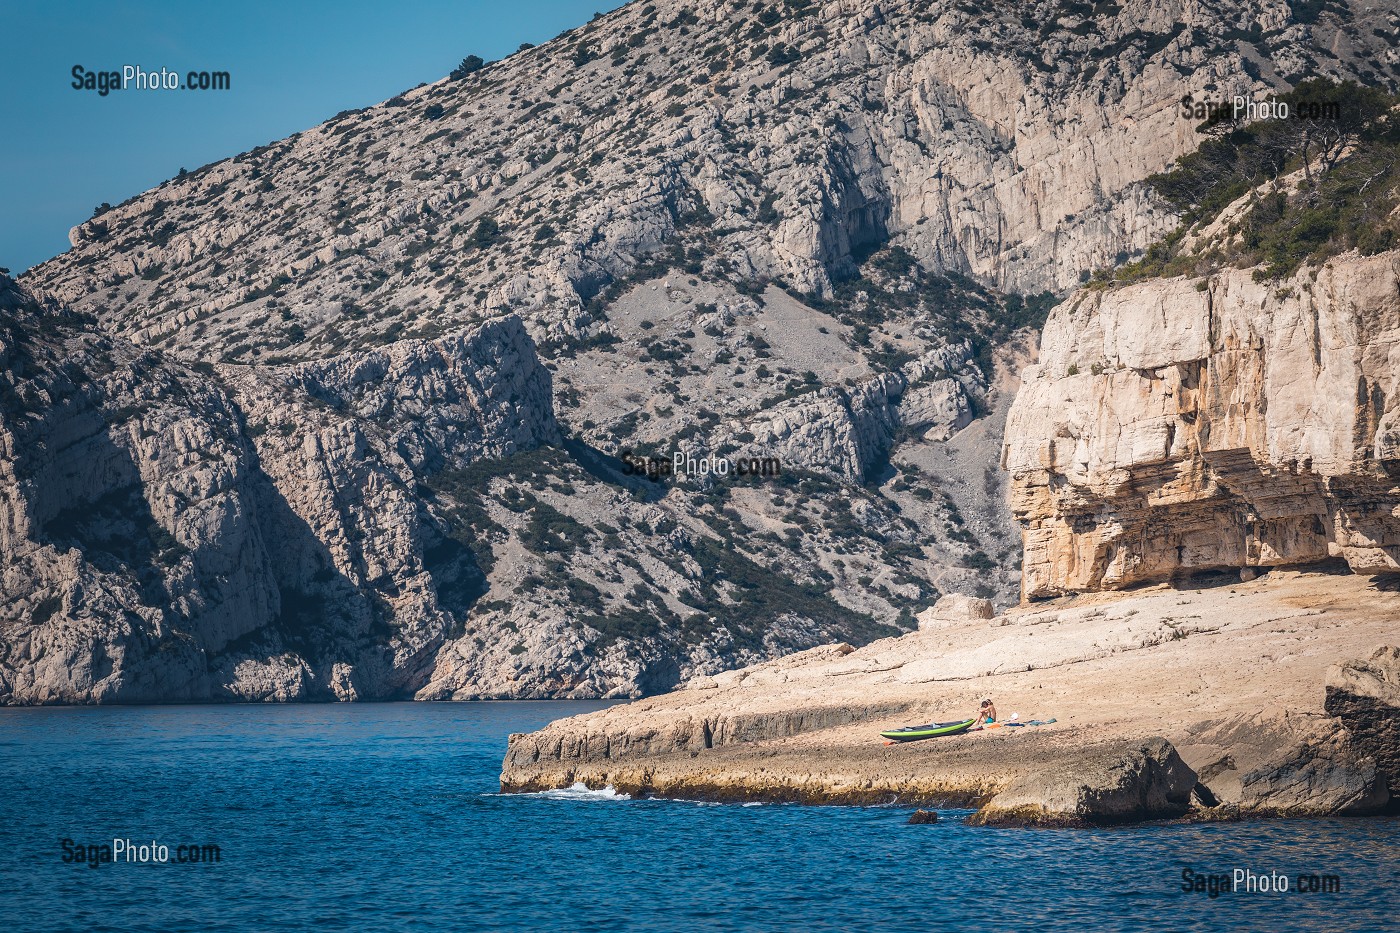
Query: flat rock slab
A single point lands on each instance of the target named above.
(1115, 670)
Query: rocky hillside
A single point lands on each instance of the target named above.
(394, 523)
(172, 532)
(440, 334)
(733, 142)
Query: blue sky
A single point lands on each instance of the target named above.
(292, 65)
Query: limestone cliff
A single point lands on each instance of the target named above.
(343, 529)
(1187, 425)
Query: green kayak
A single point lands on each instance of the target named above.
(910, 733)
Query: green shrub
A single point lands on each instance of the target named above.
(46, 609)
(781, 54)
(487, 232)
(1348, 202)
(468, 66)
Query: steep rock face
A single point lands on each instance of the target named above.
(462, 397)
(1179, 426)
(347, 442)
(181, 534)
(127, 518)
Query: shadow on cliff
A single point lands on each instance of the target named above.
(1205, 579)
(89, 498)
(116, 532)
(1230, 576)
(326, 618)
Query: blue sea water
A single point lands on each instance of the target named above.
(386, 817)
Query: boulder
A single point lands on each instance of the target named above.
(1281, 763)
(955, 607)
(1365, 695)
(919, 817)
(1126, 782)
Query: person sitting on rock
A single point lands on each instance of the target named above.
(987, 714)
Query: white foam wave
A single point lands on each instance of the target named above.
(581, 791)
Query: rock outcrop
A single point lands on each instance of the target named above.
(1365, 696)
(1128, 783)
(1180, 426)
(1289, 764)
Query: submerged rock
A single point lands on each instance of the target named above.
(1124, 783)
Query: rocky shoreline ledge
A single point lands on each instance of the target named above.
(1261, 699)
